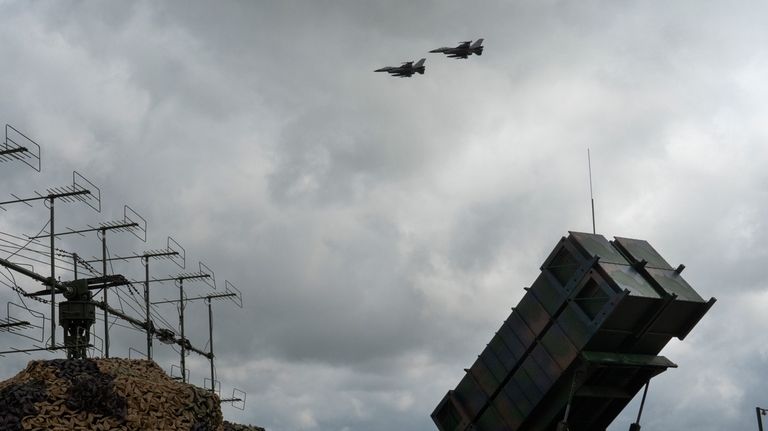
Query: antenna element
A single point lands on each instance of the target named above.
(591, 196)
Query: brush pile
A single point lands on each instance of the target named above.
(105, 394)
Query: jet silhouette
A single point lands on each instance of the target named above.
(406, 70)
(463, 50)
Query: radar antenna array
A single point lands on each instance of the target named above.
(81, 190)
(25, 326)
(25, 322)
(237, 400)
(17, 146)
(132, 222)
(231, 293)
(173, 252)
(204, 274)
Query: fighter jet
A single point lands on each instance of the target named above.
(406, 70)
(464, 49)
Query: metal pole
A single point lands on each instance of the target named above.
(104, 273)
(210, 337)
(563, 425)
(759, 412)
(53, 281)
(642, 402)
(74, 263)
(591, 196)
(636, 426)
(146, 307)
(181, 324)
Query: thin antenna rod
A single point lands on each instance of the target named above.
(591, 196)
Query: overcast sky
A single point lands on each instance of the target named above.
(380, 228)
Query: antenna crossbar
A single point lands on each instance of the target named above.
(54, 195)
(13, 151)
(160, 254)
(36, 349)
(14, 324)
(181, 278)
(104, 227)
(208, 297)
(136, 256)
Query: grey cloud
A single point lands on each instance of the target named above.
(381, 229)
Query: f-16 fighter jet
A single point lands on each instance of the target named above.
(406, 70)
(464, 49)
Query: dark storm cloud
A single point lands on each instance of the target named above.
(381, 228)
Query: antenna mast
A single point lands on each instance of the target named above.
(591, 196)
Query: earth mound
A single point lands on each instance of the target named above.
(106, 394)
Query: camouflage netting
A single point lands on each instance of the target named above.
(105, 394)
(229, 426)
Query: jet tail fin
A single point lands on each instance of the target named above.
(419, 66)
(477, 47)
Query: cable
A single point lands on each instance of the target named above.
(18, 245)
(120, 325)
(21, 293)
(45, 253)
(30, 240)
(63, 268)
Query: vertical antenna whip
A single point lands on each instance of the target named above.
(591, 196)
